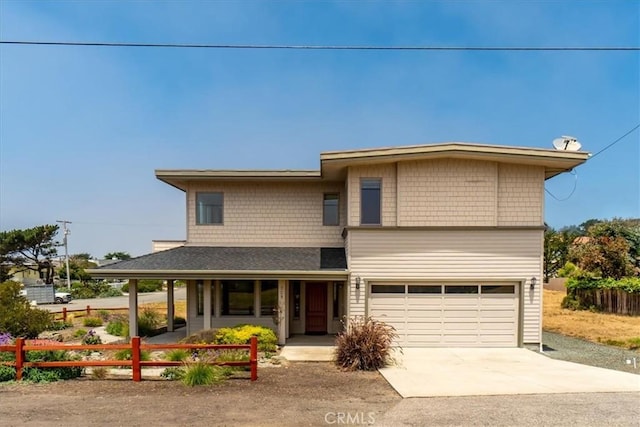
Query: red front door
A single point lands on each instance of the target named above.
(316, 308)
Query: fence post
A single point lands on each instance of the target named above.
(88, 311)
(64, 314)
(135, 359)
(253, 358)
(19, 357)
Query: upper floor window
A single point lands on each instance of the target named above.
(209, 208)
(330, 213)
(370, 201)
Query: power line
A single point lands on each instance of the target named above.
(617, 140)
(575, 175)
(328, 47)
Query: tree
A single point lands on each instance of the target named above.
(118, 255)
(17, 316)
(30, 249)
(78, 263)
(611, 248)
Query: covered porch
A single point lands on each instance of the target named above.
(293, 291)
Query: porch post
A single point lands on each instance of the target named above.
(282, 307)
(207, 304)
(133, 307)
(170, 307)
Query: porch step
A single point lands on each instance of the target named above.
(308, 353)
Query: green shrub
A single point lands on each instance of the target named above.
(146, 285)
(148, 322)
(178, 320)
(110, 292)
(7, 373)
(241, 334)
(50, 374)
(125, 354)
(201, 373)
(627, 284)
(118, 326)
(570, 302)
(92, 289)
(79, 333)
(365, 344)
(173, 373)
(92, 322)
(59, 325)
(17, 317)
(177, 355)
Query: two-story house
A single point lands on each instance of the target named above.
(444, 242)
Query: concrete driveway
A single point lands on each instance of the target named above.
(428, 372)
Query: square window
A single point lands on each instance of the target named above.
(330, 210)
(209, 208)
(370, 201)
(237, 297)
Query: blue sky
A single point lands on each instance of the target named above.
(83, 128)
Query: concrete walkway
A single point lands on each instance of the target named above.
(305, 348)
(481, 371)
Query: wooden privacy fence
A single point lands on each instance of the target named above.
(610, 300)
(20, 348)
(83, 312)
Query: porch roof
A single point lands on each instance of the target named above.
(189, 262)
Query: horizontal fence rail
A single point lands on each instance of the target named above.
(82, 312)
(21, 347)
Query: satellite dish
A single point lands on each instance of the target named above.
(566, 143)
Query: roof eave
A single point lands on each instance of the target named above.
(218, 274)
(554, 162)
(179, 178)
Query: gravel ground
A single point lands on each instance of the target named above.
(576, 350)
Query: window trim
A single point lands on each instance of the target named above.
(324, 207)
(379, 179)
(221, 193)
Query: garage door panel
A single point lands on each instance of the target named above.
(496, 314)
(454, 315)
(451, 319)
(460, 326)
(424, 327)
(417, 301)
(426, 315)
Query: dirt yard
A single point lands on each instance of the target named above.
(605, 328)
(301, 394)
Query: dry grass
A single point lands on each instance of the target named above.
(604, 328)
(161, 307)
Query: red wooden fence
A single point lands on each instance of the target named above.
(84, 312)
(20, 348)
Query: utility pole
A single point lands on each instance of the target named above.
(66, 249)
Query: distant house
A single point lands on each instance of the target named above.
(443, 241)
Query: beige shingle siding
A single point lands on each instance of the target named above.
(453, 192)
(447, 192)
(387, 173)
(268, 214)
(427, 255)
(520, 195)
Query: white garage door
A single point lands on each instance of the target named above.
(448, 315)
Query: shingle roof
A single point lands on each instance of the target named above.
(237, 259)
